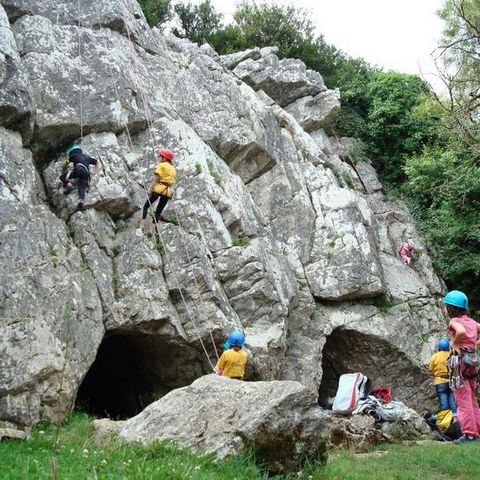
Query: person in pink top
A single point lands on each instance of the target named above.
(464, 331)
(406, 250)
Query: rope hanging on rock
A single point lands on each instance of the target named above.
(168, 262)
(80, 83)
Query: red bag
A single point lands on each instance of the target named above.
(382, 393)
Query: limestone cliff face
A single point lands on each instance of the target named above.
(276, 231)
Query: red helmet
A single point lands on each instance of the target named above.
(166, 154)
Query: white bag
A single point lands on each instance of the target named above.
(351, 387)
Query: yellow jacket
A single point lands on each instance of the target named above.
(438, 366)
(232, 363)
(168, 176)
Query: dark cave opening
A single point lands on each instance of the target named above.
(349, 351)
(133, 370)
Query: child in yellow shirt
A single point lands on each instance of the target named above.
(438, 367)
(233, 360)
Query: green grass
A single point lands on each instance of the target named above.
(79, 457)
(437, 461)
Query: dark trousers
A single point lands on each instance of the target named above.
(83, 178)
(445, 397)
(161, 205)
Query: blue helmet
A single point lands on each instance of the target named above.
(73, 148)
(443, 344)
(456, 298)
(235, 339)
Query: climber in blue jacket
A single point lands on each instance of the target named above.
(81, 171)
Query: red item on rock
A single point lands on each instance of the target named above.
(382, 393)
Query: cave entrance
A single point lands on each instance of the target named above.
(133, 370)
(349, 351)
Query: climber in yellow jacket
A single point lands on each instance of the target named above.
(233, 360)
(161, 187)
(438, 366)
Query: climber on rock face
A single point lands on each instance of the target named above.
(406, 250)
(161, 186)
(233, 360)
(81, 171)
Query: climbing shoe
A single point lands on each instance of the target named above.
(465, 439)
(80, 206)
(68, 188)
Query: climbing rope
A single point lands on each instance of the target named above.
(148, 118)
(80, 82)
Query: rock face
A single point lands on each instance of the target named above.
(280, 421)
(274, 228)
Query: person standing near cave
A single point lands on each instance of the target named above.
(233, 360)
(464, 364)
(438, 366)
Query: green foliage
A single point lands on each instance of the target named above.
(390, 120)
(157, 12)
(115, 279)
(217, 177)
(240, 241)
(172, 218)
(160, 248)
(69, 230)
(197, 21)
(443, 191)
(52, 250)
(198, 168)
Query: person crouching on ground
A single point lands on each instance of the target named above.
(464, 331)
(438, 367)
(233, 360)
(161, 187)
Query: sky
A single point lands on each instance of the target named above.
(394, 34)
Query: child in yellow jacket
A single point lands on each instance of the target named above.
(233, 360)
(438, 367)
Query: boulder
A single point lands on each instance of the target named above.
(216, 415)
(359, 433)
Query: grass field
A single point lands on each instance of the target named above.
(78, 457)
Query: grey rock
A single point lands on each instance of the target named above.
(283, 80)
(125, 17)
(224, 417)
(314, 112)
(273, 229)
(359, 433)
(233, 59)
(13, 433)
(16, 108)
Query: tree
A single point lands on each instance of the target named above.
(157, 12)
(443, 184)
(198, 22)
